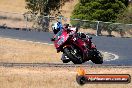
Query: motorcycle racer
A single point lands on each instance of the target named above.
(76, 46)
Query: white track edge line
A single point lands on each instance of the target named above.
(26, 41)
(115, 56)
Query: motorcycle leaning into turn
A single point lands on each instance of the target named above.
(76, 47)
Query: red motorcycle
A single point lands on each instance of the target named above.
(75, 48)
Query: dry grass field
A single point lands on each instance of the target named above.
(43, 77)
(13, 9)
(12, 50)
(55, 77)
(27, 77)
(19, 51)
(13, 6)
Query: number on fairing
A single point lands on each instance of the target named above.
(60, 41)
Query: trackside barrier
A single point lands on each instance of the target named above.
(32, 22)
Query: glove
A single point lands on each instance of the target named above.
(79, 34)
(52, 39)
(83, 35)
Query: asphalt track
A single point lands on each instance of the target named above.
(119, 46)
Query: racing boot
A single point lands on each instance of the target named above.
(64, 58)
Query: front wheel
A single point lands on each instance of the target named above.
(97, 57)
(74, 57)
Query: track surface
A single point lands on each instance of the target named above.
(119, 46)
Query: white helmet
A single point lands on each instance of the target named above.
(54, 26)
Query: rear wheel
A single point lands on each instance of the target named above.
(73, 55)
(97, 57)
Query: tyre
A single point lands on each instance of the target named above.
(65, 61)
(75, 58)
(97, 57)
(64, 58)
